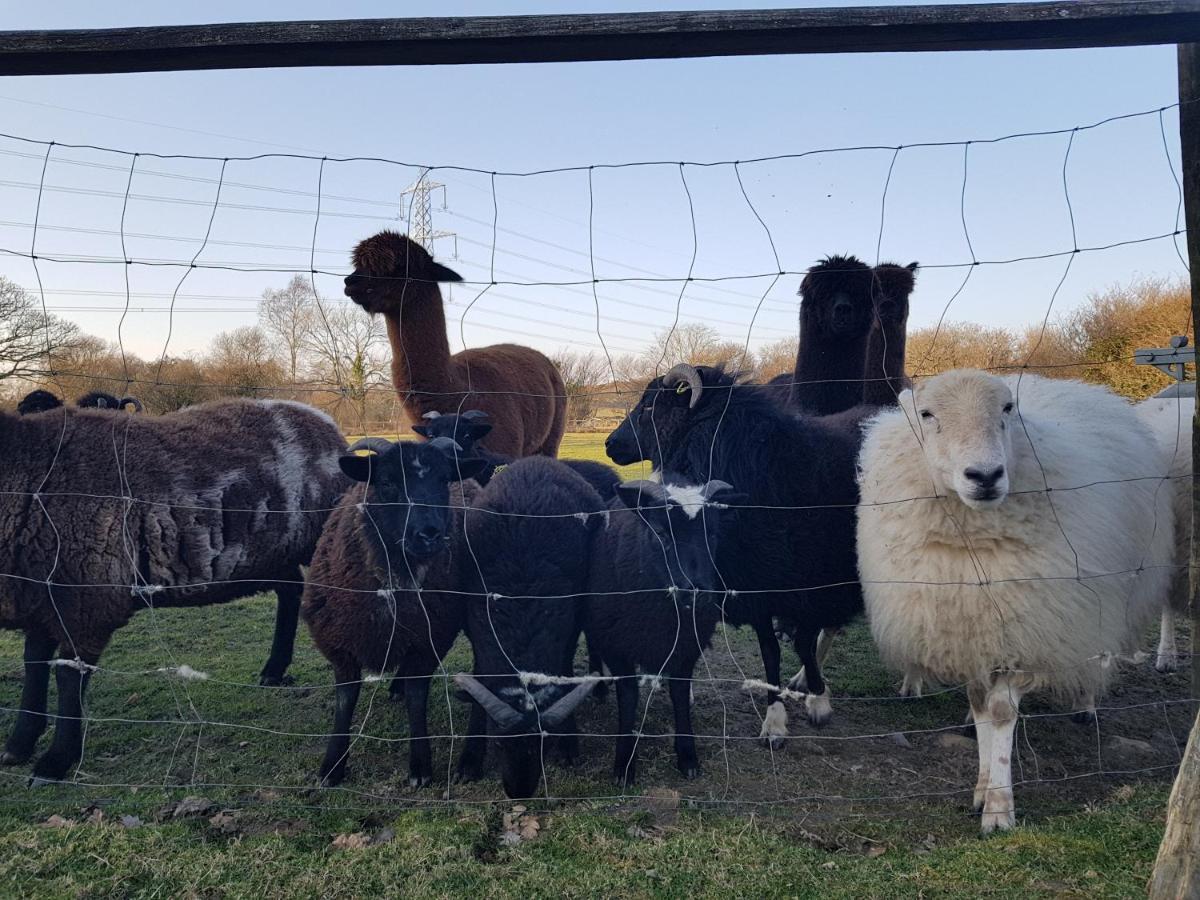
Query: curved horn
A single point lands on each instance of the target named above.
(130, 401)
(683, 373)
(472, 414)
(499, 711)
(432, 414)
(374, 444)
(449, 446)
(652, 488)
(566, 704)
(713, 487)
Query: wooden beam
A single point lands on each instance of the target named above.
(569, 38)
(1189, 146)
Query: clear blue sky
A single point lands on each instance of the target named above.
(523, 118)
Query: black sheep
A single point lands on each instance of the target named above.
(380, 594)
(467, 428)
(656, 600)
(793, 553)
(528, 539)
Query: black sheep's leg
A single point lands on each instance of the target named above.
(596, 667)
(470, 762)
(625, 764)
(685, 739)
(337, 751)
(774, 727)
(31, 720)
(816, 701)
(67, 746)
(287, 615)
(420, 756)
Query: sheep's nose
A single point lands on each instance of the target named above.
(982, 478)
(429, 533)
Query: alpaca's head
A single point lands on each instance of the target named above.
(388, 268)
(964, 420)
(836, 298)
(893, 285)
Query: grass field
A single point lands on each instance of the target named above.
(850, 811)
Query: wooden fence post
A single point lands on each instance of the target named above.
(1177, 869)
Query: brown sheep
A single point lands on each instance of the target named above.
(103, 515)
(517, 386)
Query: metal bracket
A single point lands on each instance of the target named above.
(1168, 359)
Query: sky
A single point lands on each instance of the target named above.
(591, 258)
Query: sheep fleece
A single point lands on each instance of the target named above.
(931, 616)
(203, 505)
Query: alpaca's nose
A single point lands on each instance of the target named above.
(984, 479)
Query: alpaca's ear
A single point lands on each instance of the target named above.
(913, 266)
(438, 272)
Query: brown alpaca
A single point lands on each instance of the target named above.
(518, 387)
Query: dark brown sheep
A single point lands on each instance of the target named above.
(103, 515)
(517, 386)
(381, 594)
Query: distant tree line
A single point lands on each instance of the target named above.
(333, 356)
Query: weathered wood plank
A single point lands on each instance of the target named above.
(1177, 869)
(566, 38)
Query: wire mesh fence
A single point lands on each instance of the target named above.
(166, 514)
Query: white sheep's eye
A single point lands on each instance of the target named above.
(926, 414)
(1008, 407)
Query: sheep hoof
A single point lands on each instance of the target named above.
(997, 821)
(774, 727)
(265, 680)
(331, 776)
(818, 708)
(9, 758)
(625, 780)
(1084, 717)
(468, 770)
(910, 687)
(51, 768)
(38, 781)
(689, 769)
(1167, 662)
(419, 781)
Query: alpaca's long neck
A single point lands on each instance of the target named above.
(884, 372)
(421, 369)
(829, 372)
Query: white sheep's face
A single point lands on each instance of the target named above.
(965, 419)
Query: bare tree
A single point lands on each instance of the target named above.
(29, 337)
(776, 358)
(287, 315)
(585, 376)
(695, 343)
(345, 350)
(242, 362)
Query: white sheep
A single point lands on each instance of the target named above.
(1168, 415)
(1002, 545)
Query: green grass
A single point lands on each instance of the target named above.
(809, 826)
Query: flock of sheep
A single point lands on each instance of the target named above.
(1009, 535)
